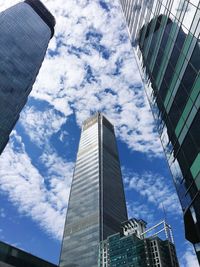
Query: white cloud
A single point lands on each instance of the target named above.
(189, 258)
(155, 189)
(142, 211)
(85, 36)
(75, 46)
(6, 4)
(44, 199)
(41, 125)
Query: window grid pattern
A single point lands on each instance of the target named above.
(96, 207)
(166, 40)
(24, 38)
(130, 251)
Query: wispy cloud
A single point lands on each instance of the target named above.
(41, 125)
(92, 68)
(43, 198)
(154, 189)
(7, 4)
(189, 259)
(142, 211)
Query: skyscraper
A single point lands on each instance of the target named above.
(97, 202)
(165, 37)
(25, 31)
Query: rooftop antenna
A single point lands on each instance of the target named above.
(164, 212)
(168, 230)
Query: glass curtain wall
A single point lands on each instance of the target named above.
(165, 36)
(97, 203)
(25, 32)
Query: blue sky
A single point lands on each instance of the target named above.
(89, 67)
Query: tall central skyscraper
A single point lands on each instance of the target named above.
(97, 202)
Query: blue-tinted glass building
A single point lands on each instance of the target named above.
(97, 202)
(25, 31)
(166, 38)
(134, 247)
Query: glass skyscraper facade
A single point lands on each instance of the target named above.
(165, 36)
(13, 257)
(25, 31)
(97, 202)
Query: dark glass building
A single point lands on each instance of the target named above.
(13, 257)
(97, 202)
(25, 31)
(165, 36)
(131, 248)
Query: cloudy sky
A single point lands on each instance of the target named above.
(89, 67)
